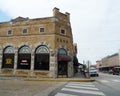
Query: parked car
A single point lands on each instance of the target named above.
(110, 71)
(116, 70)
(93, 72)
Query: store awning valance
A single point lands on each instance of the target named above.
(64, 58)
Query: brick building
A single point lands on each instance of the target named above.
(37, 47)
(98, 64)
(109, 62)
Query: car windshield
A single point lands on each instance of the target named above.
(92, 69)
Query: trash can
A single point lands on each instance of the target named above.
(87, 75)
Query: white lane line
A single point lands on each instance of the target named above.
(84, 91)
(63, 94)
(82, 87)
(115, 80)
(81, 83)
(104, 81)
(87, 85)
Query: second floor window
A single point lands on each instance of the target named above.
(25, 31)
(9, 32)
(62, 31)
(42, 30)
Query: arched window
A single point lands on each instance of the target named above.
(9, 50)
(8, 57)
(24, 57)
(42, 49)
(41, 58)
(63, 60)
(25, 49)
(62, 51)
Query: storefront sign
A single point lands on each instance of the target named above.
(24, 62)
(8, 61)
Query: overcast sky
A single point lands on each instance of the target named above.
(95, 23)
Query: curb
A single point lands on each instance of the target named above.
(47, 79)
(60, 79)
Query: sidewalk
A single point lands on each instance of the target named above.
(27, 86)
(77, 78)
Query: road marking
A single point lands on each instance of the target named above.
(104, 81)
(79, 88)
(115, 80)
(63, 94)
(82, 87)
(83, 91)
(79, 84)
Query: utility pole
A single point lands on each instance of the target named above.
(88, 68)
(83, 62)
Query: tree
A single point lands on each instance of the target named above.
(75, 61)
(84, 66)
(75, 64)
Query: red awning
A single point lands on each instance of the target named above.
(64, 58)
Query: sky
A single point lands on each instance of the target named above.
(95, 23)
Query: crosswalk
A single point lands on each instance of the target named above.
(79, 89)
(109, 81)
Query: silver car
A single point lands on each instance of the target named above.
(93, 72)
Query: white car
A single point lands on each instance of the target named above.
(93, 72)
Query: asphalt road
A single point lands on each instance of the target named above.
(109, 84)
(105, 85)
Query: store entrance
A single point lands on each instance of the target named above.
(63, 68)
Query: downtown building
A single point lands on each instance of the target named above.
(40, 47)
(109, 62)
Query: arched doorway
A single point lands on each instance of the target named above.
(8, 57)
(24, 58)
(63, 59)
(41, 58)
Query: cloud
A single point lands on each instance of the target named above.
(27, 7)
(95, 23)
(31, 8)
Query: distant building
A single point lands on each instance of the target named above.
(94, 65)
(37, 47)
(98, 64)
(109, 62)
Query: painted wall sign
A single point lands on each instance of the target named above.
(24, 62)
(8, 61)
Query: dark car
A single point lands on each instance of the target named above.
(110, 71)
(116, 70)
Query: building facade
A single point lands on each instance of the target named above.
(37, 47)
(109, 62)
(98, 64)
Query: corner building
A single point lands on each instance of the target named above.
(41, 47)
